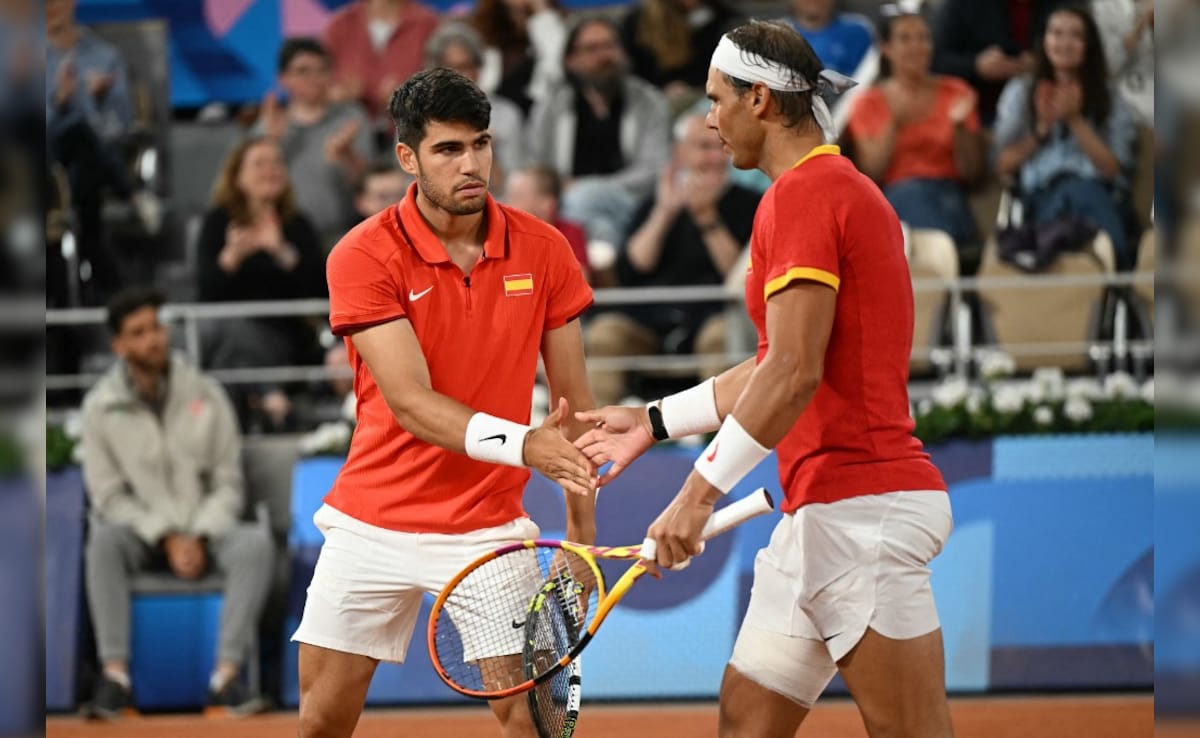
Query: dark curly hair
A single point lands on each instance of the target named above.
(778, 42)
(438, 94)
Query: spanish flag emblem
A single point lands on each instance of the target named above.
(516, 285)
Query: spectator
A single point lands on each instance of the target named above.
(538, 190)
(842, 41)
(988, 42)
(376, 45)
(670, 42)
(88, 111)
(1127, 30)
(382, 185)
(917, 134)
(162, 465)
(603, 130)
(525, 40)
(458, 47)
(326, 145)
(690, 232)
(255, 245)
(1066, 135)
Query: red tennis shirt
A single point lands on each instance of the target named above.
(480, 334)
(824, 221)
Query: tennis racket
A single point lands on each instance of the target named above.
(517, 616)
(554, 703)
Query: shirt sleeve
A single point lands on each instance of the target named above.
(569, 293)
(800, 241)
(362, 290)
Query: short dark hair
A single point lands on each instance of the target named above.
(441, 95)
(375, 168)
(546, 179)
(778, 42)
(294, 47)
(130, 300)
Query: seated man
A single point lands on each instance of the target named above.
(162, 465)
(538, 191)
(602, 129)
(690, 232)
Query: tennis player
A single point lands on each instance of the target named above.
(445, 300)
(843, 584)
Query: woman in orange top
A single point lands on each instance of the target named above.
(917, 134)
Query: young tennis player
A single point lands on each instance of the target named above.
(843, 584)
(446, 300)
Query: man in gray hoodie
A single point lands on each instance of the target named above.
(162, 465)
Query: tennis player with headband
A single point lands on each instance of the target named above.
(844, 583)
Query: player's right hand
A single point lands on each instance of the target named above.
(620, 435)
(548, 450)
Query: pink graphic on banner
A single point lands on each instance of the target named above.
(304, 18)
(222, 15)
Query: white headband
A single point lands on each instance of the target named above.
(741, 64)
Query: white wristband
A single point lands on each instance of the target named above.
(730, 456)
(692, 411)
(496, 440)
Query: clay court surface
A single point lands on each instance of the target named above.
(1124, 716)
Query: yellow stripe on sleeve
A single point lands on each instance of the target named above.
(791, 275)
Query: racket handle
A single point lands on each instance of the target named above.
(732, 515)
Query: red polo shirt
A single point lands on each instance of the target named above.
(480, 334)
(824, 221)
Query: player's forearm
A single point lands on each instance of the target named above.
(581, 518)
(730, 385)
(432, 417)
(776, 393)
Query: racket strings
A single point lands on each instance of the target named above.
(480, 636)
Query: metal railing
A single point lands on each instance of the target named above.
(962, 350)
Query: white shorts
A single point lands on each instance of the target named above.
(366, 590)
(833, 570)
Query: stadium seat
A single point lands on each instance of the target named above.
(1144, 291)
(1019, 318)
(931, 255)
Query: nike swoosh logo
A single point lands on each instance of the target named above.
(499, 436)
(414, 296)
(518, 624)
(713, 455)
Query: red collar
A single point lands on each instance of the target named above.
(427, 244)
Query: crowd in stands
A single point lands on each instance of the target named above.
(599, 128)
(599, 125)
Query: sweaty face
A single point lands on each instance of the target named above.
(143, 340)
(453, 165)
(730, 116)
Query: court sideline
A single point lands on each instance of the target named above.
(1107, 716)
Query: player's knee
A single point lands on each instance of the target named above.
(318, 723)
(515, 720)
(796, 668)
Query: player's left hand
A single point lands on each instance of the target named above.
(677, 529)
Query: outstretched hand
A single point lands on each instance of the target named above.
(548, 450)
(620, 435)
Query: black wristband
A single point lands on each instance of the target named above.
(657, 428)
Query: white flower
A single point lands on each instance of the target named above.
(1043, 415)
(1008, 400)
(1033, 392)
(975, 401)
(327, 437)
(73, 425)
(1084, 388)
(951, 392)
(77, 454)
(995, 364)
(924, 406)
(1148, 391)
(1078, 409)
(1120, 386)
(1051, 381)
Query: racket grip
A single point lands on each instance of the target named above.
(732, 515)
